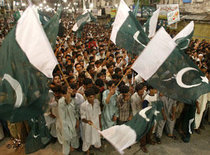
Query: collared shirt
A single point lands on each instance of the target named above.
(124, 108)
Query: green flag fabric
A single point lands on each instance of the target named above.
(51, 28)
(183, 37)
(23, 89)
(23, 74)
(44, 19)
(170, 71)
(123, 136)
(16, 16)
(127, 32)
(136, 8)
(81, 21)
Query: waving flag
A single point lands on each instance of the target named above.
(170, 71)
(123, 136)
(184, 36)
(26, 61)
(151, 24)
(127, 32)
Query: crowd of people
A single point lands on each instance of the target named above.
(102, 91)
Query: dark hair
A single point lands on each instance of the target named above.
(77, 64)
(96, 90)
(103, 71)
(115, 76)
(73, 86)
(139, 87)
(124, 89)
(90, 67)
(78, 55)
(87, 81)
(99, 82)
(129, 76)
(150, 87)
(89, 92)
(111, 55)
(98, 62)
(91, 58)
(110, 83)
(109, 65)
(117, 70)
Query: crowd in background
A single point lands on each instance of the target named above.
(104, 91)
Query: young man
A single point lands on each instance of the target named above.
(67, 122)
(149, 98)
(90, 112)
(109, 100)
(169, 107)
(124, 105)
(137, 99)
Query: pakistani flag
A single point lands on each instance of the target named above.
(151, 24)
(26, 61)
(127, 32)
(183, 37)
(51, 28)
(81, 21)
(170, 71)
(16, 16)
(43, 17)
(136, 8)
(123, 136)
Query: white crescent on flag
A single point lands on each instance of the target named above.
(17, 88)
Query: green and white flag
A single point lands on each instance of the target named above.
(151, 24)
(183, 37)
(81, 21)
(127, 32)
(170, 71)
(123, 136)
(44, 19)
(26, 61)
(51, 28)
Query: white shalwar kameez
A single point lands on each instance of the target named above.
(66, 125)
(90, 134)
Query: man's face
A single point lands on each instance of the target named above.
(141, 92)
(89, 86)
(57, 80)
(79, 68)
(111, 69)
(91, 99)
(73, 94)
(79, 58)
(153, 91)
(126, 96)
(92, 70)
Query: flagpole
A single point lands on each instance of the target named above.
(59, 64)
(63, 75)
(123, 77)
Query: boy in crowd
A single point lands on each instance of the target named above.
(90, 112)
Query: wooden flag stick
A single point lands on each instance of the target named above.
(122, 78)
(63, 75)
